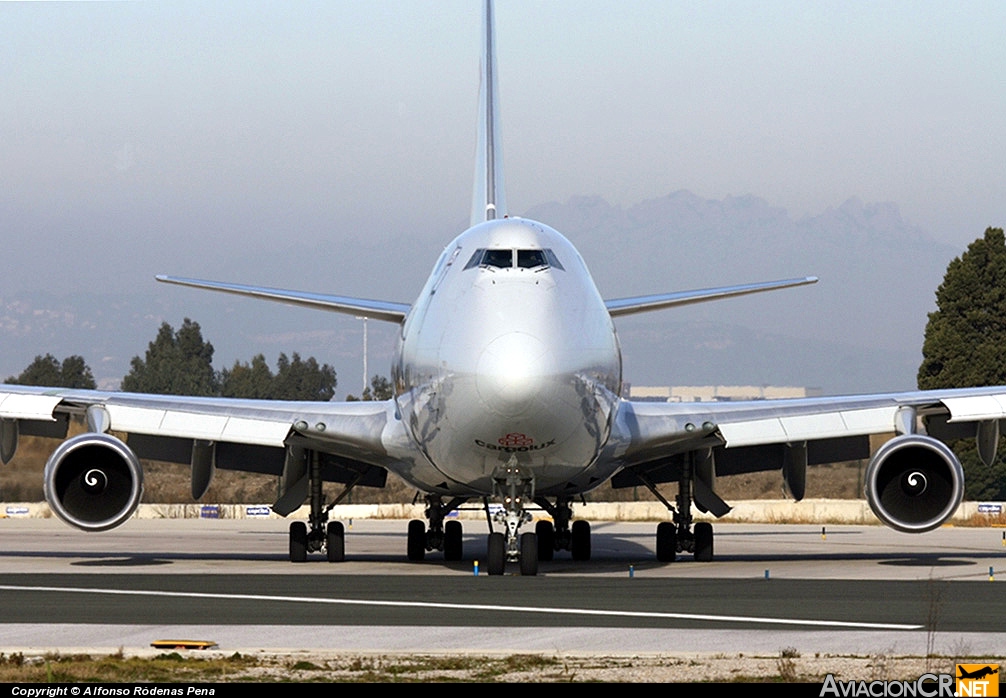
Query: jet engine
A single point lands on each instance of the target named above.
(914, 483)
(93, 482)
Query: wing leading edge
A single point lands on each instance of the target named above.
(379, 310)
(642, 304)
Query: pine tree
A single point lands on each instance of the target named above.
(297, 379)
(248, 381)
(48, 371)
(965, 344)
(176, 363)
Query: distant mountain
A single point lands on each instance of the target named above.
(859, 329)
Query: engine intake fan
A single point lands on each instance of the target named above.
(93, 482)
(914, 483)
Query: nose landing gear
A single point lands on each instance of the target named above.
(514, 486)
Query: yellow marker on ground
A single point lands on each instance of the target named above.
(183, 644)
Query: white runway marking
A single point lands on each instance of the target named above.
(474, 607)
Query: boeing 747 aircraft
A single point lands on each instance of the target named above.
(507, 390)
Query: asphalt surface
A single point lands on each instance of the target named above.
(840, 589)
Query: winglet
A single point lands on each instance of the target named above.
(488, 198)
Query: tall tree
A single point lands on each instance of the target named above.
(46, 370)
(244, 380)
(380, 388)
(178, 363)
(297, 379)
(964, 344)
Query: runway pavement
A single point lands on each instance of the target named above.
(853, 589)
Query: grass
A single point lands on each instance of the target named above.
(984, 521)
(194, 667)
(173, 667)
(116, 668)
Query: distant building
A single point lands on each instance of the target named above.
(717, 393)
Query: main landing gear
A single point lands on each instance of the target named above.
(514, 487)
(326, 535)
(440, 535)
(447, 535)
(680, 535)
(558, 534)
(331, 539)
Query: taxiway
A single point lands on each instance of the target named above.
(849, 589)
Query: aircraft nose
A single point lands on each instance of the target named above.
(511, 373)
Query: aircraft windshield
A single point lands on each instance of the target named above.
(528, 259)
(507, 259)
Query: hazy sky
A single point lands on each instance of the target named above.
(366, 109)
(143, 138)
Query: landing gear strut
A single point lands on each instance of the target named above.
(558, 534)
(513, 486)
(440, 535)
(323, 534)
(681, 536)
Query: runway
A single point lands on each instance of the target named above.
(842, 589)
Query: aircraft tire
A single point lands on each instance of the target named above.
(417, 540)
(703, 542)
(496, 554)
(453, 550)
(335, 541)
(298, 541)
(581, 540)
(667, 542)
(545, 531)
(529, 554)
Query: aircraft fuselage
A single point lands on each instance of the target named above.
(509, 356)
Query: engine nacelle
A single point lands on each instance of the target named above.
(93, 482)
(914, 483)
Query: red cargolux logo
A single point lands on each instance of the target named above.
(515, 440)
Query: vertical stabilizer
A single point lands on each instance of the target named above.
(488, 199)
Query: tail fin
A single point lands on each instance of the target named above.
(489, 198)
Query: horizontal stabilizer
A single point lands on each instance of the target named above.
(379, 310)
(642, 304)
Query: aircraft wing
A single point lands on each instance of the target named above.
(264, 436)
(379, 310)
(642, 304)
(652, 441)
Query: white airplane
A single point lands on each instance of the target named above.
(507, 389)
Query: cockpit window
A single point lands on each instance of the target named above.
(553, 261)
(476, 259)
(529, 259)
(504, 259)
